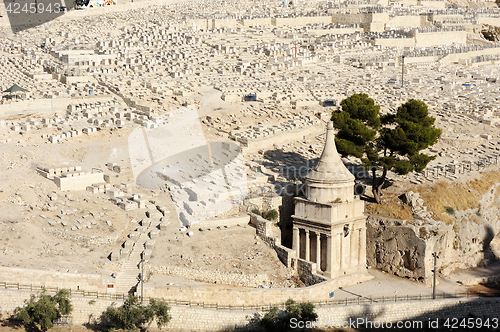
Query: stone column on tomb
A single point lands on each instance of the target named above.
(354, 239)
(296, 240)
(318, 251)
(342, 252)
(328, 254)
(308, 246)
(362, 248)
(336, 250)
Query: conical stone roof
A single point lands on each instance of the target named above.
(330, 179)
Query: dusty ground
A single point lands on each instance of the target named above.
(234, 250)
(28, 241)
(26, 238)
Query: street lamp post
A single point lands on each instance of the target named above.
(434, 271)
(402, 71)
(142, 280)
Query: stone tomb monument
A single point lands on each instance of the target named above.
(329, 226)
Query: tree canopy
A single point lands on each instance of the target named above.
(133, 314)
(390, 142)
(276, 321)
(43, 309)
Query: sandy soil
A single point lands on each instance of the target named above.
(27, 240)
(235, 249)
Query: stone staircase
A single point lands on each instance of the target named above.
(128, 280)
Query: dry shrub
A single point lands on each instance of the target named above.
(391, 208)
(457, 195)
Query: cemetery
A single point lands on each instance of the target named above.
(162, 137)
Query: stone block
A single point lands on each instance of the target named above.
(134, 236)
(153, 214)
(128, 244)
(124, 252)
(114, 192)
(127, 206)
(141, 203)
(115, 256)
(154, 233)
(149, 244)
(146, 254)
(92, 189)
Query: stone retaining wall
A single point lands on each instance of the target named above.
(42, 106)
(82, 281)
(282, 138)
(213, 277)
(227, 295)
(271, 235)
(307, 272)
(232, 221)
(185, 318)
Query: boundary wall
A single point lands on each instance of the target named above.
(456, 57)
(185, 318)
(221, 222)
(425, 39)
(252, 146)
(43, 106)
(77, 281)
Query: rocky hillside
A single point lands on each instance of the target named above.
(457, 220)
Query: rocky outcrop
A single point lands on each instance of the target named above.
(405, 247)
(418, 210)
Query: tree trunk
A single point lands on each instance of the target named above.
(377, 184)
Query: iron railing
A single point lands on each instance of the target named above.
(345, 302)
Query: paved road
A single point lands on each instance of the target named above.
(385, 284)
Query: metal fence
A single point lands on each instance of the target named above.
(348, 301)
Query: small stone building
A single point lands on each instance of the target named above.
(329, 227)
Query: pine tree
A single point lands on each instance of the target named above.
(387, 142)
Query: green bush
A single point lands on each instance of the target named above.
(272, 215)
(281, 321)
(43, 309)
(256, 211)
(134, 315)
(270, 321)
(449, 210)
